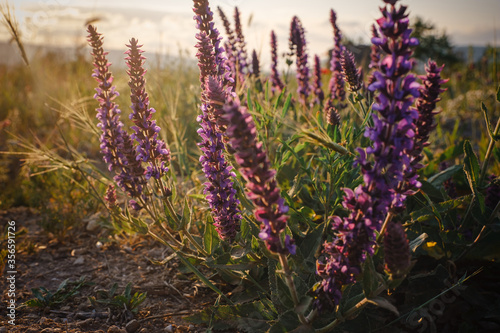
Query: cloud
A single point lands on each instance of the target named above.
(65, 26)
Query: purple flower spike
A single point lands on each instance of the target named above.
(217, 85)
(108, 113)
(375, 52)
(336, 85)
(397, 250)
(110, 196)
(116, 145)
(426, 105)
(319, 95)
(351, 73)
(333, 116)
(219, 189)
(242, 62)
(207, 32)
(393, 139)
(298, 47)
(276, 83)
(230, 45)
(261, 185)
(255, 64)
(150, 149)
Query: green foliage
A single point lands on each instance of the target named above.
(125, 301)
(45, 298)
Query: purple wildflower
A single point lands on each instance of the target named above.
(242, 62)
(261, 185)
(396, 250)
(108, 113)
(150, 149)
(255, 64)
(426, 105)
(219, 189)
(392, 137)
(276, 83)
(110, 196)
(351, 73)
(333, 116)
(374, 55)
(317, 84)
(394, 130)
(116, 145)
(298, 47)
(336, 85)
(220, 66)
(230, 44)
(216, 87)
(375, 51)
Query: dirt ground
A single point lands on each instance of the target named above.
(45, 261)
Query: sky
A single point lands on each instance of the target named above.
(167, 26)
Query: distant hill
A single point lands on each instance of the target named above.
(10, 54)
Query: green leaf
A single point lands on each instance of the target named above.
(310, 244)
(34, 303)
(186, 215)
(471, 169)
(471, 166)
(197, 196)
(249, 100)
(286, 106)
(498, 94)
(36, 292)
(452, 152)
(431, 191)
(384, 303)
(128, 290)
(202, 277)
(488, 123)
(249, 317)
(444, 175)
(436, 209)
(496, 153)
(370, 277)
(286, 323)
(486, 249)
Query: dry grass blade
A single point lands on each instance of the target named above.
(10, 22)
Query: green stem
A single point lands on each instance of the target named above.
(384, 226)
(489, 151)
(187, 234)
(349, 313)
(291, 285)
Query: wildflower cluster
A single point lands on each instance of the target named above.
(319, 95)
(260, 182)
(216, 88)
(298, 47)
(116, 145)
(276, 83)
(364, 218)
(149, 148)
(336, 84)
(393, 139)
